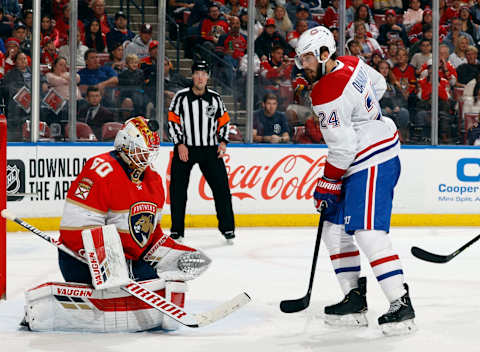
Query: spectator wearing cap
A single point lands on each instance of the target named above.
(103, 77)
(49, 52)
(331, 14)
(292, 37)
(303, 13)
(12, 49)
(48, 30)
(282, 21)
(140, 44)
(62, 25)
(120, 33)
(417, 31)
(94, 38)
(117, 61)
(467, 25)
(257, 28)
(363, 14)
(263, 10)
(268, 39)
(64, 51)
(149, 67)
(414, 14)
(291, 8)
(20, 32)
(391, 30)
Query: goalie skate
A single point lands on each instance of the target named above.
(351, 310)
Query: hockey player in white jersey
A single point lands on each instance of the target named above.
(361, 171)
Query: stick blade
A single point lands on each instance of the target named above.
(222, 311)
(294, 305)
(429, 257)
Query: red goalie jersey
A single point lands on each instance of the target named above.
(107, 192)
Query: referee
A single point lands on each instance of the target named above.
(198, 126)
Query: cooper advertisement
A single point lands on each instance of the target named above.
(267, 180)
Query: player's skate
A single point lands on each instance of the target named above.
(229, 236)
(399, 318)
(351, 310)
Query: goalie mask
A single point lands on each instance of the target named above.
(138, 141)
(315, 41)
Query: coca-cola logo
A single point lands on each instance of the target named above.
(293, 176)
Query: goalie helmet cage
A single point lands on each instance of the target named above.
(3, 205)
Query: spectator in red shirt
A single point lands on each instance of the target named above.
(292, 37)
(49, 52)
(424, 116)
(98, 12)
(276, 72)
(232, 46)
(211, 30)
(12, 49)
(405, 73)
(313, 134)
(48, 30)
(331, 14)
(62, 26)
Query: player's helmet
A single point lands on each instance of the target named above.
(139, 141)
(312, 41)
(200, 65)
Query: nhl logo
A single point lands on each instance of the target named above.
(13, 179)
(211, 111)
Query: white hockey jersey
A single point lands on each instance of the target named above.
(346, 102)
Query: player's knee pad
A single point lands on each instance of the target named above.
(373, 243)
(336, 239)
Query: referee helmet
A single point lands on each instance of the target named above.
(200, 65)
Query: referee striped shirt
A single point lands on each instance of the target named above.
(198, 121)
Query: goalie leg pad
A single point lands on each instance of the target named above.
(175, 293)
(105, 256)
(57, 306)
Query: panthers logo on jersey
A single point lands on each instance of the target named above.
(141, 221)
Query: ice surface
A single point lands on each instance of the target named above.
(273, 264)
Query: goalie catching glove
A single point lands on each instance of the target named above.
(174, 261)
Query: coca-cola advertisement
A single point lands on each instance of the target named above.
(276, 175)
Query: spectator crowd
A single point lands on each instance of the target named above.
(117, 67)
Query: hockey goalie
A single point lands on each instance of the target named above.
(112, 219)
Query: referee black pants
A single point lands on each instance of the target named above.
(213, 169)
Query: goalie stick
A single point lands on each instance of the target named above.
(152, 299)
(297, 305)
(438, 258)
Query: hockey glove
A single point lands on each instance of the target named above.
(327, 191)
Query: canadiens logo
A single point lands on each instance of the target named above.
(142, 221)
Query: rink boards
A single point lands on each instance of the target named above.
(270, 185)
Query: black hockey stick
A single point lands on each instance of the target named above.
(437, 258)
(296, 305)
